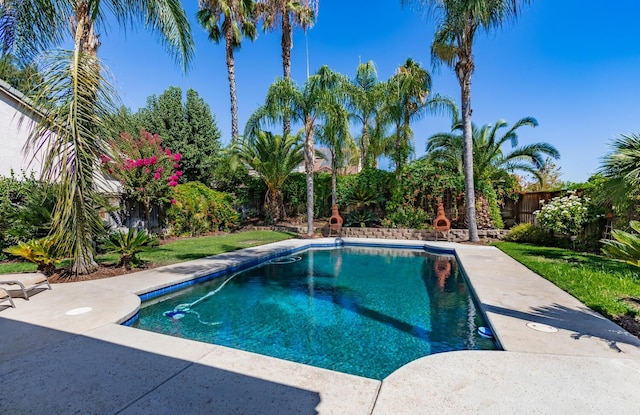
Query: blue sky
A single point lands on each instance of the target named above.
(574, 68)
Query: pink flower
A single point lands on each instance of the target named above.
(146, 170)
(167, 151)
(104, 159)
(177, 156)
(110, 171)
(173, 184)
(173, 201)
(146, 161)
(153, 159)
(156, 176)
(178, 173)
(139, 163)
(176, 165)
(159, 170)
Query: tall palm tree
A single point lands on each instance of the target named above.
(489, 159)
(286, 15)
(365, 95)
(75, 98)
(273, 158)
(334, 133)
(229, 20)
(406, 101)
(307, 106)
(458, 23)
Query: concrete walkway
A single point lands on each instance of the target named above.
(64, 351)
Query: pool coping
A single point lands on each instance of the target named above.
(510, 296)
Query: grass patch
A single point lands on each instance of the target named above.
(604, 285)
(14, 267)
(180, 250)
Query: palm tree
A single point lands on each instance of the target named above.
(458, 23)
(365, 96)
(75, 98)
(229, 19)
(489, 160)
(307, 106)
(406, 101)
(273, 158)
(287, 14)
(621, 169)
(334, 133)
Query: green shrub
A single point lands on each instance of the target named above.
(196, 209)
(626, 246)
(128, 244)
(42, 252)
(362, 218)
(529, 233)
(399, 216)
(25, 209)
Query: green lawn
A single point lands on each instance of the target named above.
(182, 250)
(603, 284)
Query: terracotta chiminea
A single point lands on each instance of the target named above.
(335, 221)
(441, 223)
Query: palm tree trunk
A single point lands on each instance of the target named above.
(364, 145)
(85, 42)
(287, 44)
(464, 77)
(334, 179)
(308, 167)
(231, 74)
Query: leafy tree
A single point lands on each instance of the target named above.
(229, 20)
(489, 159)
(548, 178)
(273, 158)
(307, 106)
(458, 23)
(187, 128)
(75, 98)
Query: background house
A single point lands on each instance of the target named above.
(16, 117)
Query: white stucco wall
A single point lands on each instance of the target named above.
(13, 136)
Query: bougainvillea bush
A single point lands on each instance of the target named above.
(146, 170)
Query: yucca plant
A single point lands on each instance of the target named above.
(42, 252)
(128, 244)
(626, 246)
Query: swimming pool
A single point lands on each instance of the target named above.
(363, 311)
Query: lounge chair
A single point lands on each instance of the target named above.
(4, 296)
(23, 282)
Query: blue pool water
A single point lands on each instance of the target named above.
(364, 311)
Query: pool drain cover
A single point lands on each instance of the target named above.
(542, 327)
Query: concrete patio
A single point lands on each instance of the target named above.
(559, 356)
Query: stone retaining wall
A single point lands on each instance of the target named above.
(454, 235)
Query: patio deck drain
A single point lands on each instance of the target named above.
(542, 327)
